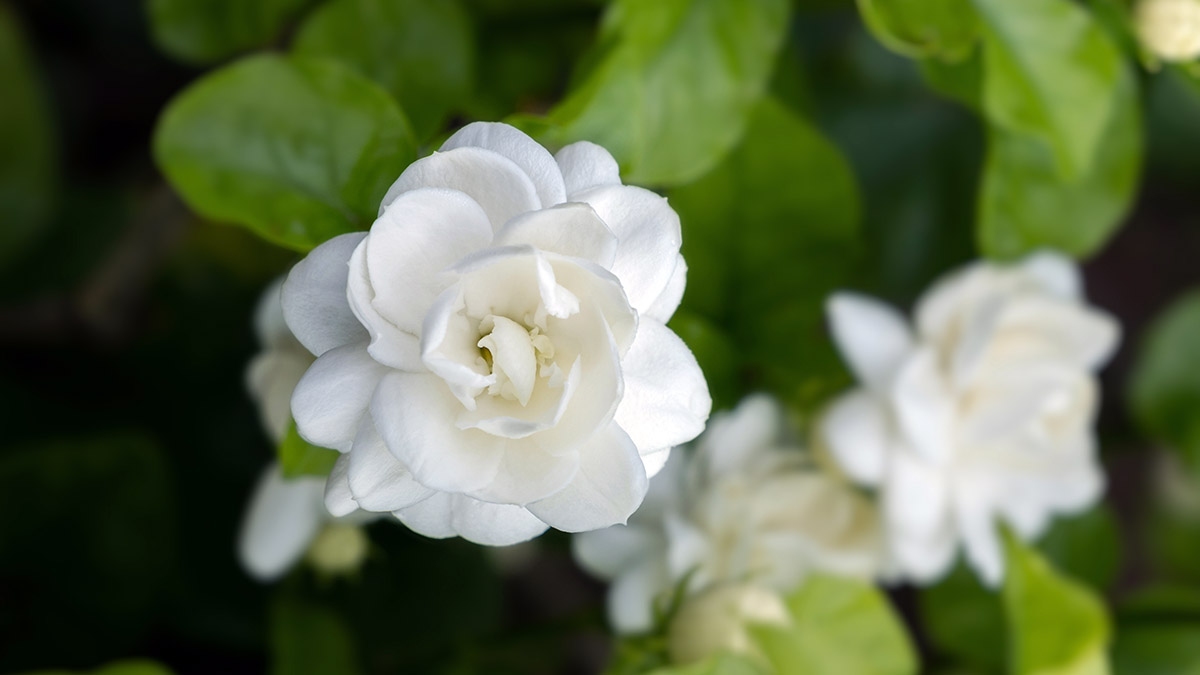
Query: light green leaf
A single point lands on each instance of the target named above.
(307, 638)
(205, 31)
(768, 235)
(298, 150)
(720, 664)
(673, 83)
(838, 626)
(1057, 625)
(1053, 73)
(298, 457)
(946, 29)
(1026, 204)
(27, 144)
(420, 51)
(1164, 390)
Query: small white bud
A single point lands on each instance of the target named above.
(1170, 29)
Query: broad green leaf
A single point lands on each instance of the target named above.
(420, 51)
(964, 620)
(298, 150)
(27, 144)
(945, 29)
(307, 638)
(1085, 546)
(1026, 204)
(1057, 626)
(205, 31)
(673, 83)
(721, 664)
(768, 235)
(961, 81)
(1164, 390)
(838, 626)
(1052, 73)
(298, 457)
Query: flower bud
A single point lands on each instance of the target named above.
(719, 619)
(1170, 29)
(338, 549)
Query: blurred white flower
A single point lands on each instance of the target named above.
(493, 355)
(273, 372)
(746, 507)
(287, 518)
(718, 619)
(981, 413)
(1170, 29)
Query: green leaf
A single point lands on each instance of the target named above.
(673, 83)
(1158, 649)
(1051, 72)
(965, 621)
(946, 29)
(1164, 389)
(720, 664)
(420, 51)
(768, 235)
(298, 150)
(129, 667)
(307, 638)
(205, 31)
(298, 457)
(27, 145)
(1026, 204)
(838, 626)
(715, 352)
(1057, 625)
(1085, 546)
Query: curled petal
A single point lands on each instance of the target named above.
(586, 165)
(332, 396)
(314, 297)
(506, 140)
(376, 479)
(571, 229)
(666, 399)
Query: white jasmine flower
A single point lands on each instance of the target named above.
(746, 507)
(719, 619)
(1170, 29)
(492, 356)
(981, 412)
(273, 372)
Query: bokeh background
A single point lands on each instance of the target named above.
(128, 443)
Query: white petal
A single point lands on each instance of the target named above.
(333, 395)
(270, 326)
(415, 415)
(916, 497)
(571, 229)
(339, 501)
(609, 552)
(376, 479)
(528, 473)
(939, 307)
(607, 489)
(1067, 332)
(924, 560)
(500, 187)
(648, 238)
(666, 399)
(430, 517)
(493, 524)
(389, 345)
(525, 152)
(632, 595)
(586, 165)
(664, 306)
(981, 541)
(281, 521)
(271, 377)
(655, 460)
(855, 428)
(421, 234)
(1055, 272)
(314, 297)
(872, 337)
(923, 407)
(733, 438)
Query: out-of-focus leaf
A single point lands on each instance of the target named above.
(1158, 649)
(1164, 389)
(420, 51)
(717, 354)
(838, 626)
(27, 147)
(768, 235)
(1052, 73)
(1085, 546)
(673, 83)
(1057, 625)
(307, 638)
(298, 457)
(965, 621)
(298, 150)
(205, 31)
(1025, 203)
(946, 29)
(721, 664)
(961, 81)
(130, 667)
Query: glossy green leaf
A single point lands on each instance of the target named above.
(1057, 625)
(1026, 204)
(673, 83)
(307, 638)
(420, 51)
(298, 150)
(298, 457)
(945, 29)
(838, 626)
(205, 31)
(1164, 390)
(768, 235)
(1053, 73)
(27, 144)
(721, 664)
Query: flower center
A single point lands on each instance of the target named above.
(515, 356)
